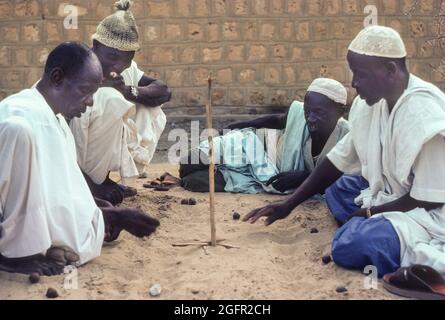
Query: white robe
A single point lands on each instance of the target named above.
(400, 153)
(44, 198)
(117, 135)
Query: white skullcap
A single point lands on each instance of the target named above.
(378, 41)
(330, 88)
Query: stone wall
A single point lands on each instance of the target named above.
(261, 52)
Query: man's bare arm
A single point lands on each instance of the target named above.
(151, 92)
(320, 179)
(405, 204)
(269, 122)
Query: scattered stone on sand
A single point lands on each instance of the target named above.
(155, 290)
(341, 290)
(189, 202)
(52, 293)
(34, 278)
(162, 189)
(236, 216)
(314, 230)
(195, 291)
(327, 259)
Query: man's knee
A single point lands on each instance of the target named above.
(364, 242)
(349, 248)
(341, 195)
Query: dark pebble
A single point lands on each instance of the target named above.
(236, 216)
(341, 290)
(162, 189)
(34, 278)
(192, 202)
(185, 201)
(52, 293)
(327, 259)
(314, 230)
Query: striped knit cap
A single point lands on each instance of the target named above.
(119, 30)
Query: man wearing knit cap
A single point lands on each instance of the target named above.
(294, 144)
(397, 144)
(120, 132)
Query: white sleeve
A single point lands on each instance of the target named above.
(137, 73)
(113, 104)
(344, 157)
(80, 128)
(429, 172)
(132, 75)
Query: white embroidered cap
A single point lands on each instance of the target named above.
(379, 41)
(330, 88)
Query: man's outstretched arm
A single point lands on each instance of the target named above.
(269, 122)
(320, 179)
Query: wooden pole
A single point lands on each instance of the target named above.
(211, 163)
(214, 241)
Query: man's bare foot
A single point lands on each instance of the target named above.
(129, 192)
(36, 264)
(133, 221)
(108, 192)
(63, 256)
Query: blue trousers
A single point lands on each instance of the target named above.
(361, 242)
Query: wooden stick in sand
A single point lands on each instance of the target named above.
(211, 162)
(214, 242)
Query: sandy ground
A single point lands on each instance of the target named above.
(278, 262)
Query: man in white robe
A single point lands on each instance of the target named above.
(397, 144)
(48, 217)
(120, 132)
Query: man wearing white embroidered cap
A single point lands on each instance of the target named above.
(396, 143)
(298, 141)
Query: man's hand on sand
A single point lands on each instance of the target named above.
(134, 221)
(273, 212)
